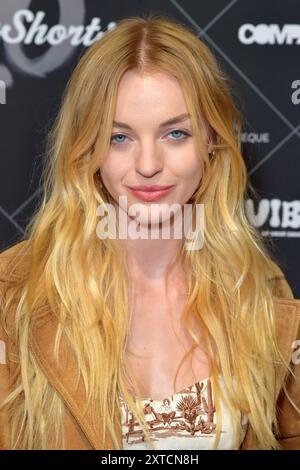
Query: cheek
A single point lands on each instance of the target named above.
(187, 168)
(112, 171)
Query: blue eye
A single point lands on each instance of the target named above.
(181, 132)
(117, 135)
(123, 137)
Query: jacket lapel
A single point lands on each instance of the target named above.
(287, 322)
(287, 325)
(63, 376)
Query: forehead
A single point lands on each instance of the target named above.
(148, 97)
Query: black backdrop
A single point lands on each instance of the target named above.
(256, 42)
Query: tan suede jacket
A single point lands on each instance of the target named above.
(81, 430)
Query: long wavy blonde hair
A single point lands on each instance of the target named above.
(85, 279)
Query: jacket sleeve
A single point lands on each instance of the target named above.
(288, 416)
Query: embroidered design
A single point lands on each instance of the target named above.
(186, 415)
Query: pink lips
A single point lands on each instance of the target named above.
(150, 193)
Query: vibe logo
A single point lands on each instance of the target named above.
(282, 218)
(262, 34)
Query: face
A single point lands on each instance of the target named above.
(148, 152)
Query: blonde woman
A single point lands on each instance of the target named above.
(93, 325)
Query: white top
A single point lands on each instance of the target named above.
(185, 420)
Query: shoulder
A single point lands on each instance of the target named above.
(14, 267)
(287, 312)
(280, 287)
(15, 261)
(287, 307)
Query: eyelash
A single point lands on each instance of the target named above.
(186, 134)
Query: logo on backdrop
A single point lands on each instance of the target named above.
(22, 27)
(274, 217)
(40, 33)
(255, 137)
(262, 34)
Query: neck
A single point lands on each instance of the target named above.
(151, 259)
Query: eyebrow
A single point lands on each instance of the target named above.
(173, 120)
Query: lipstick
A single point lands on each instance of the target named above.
(150, 193)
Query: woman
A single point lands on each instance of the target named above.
(89, 319)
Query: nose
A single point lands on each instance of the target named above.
(149, 160)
